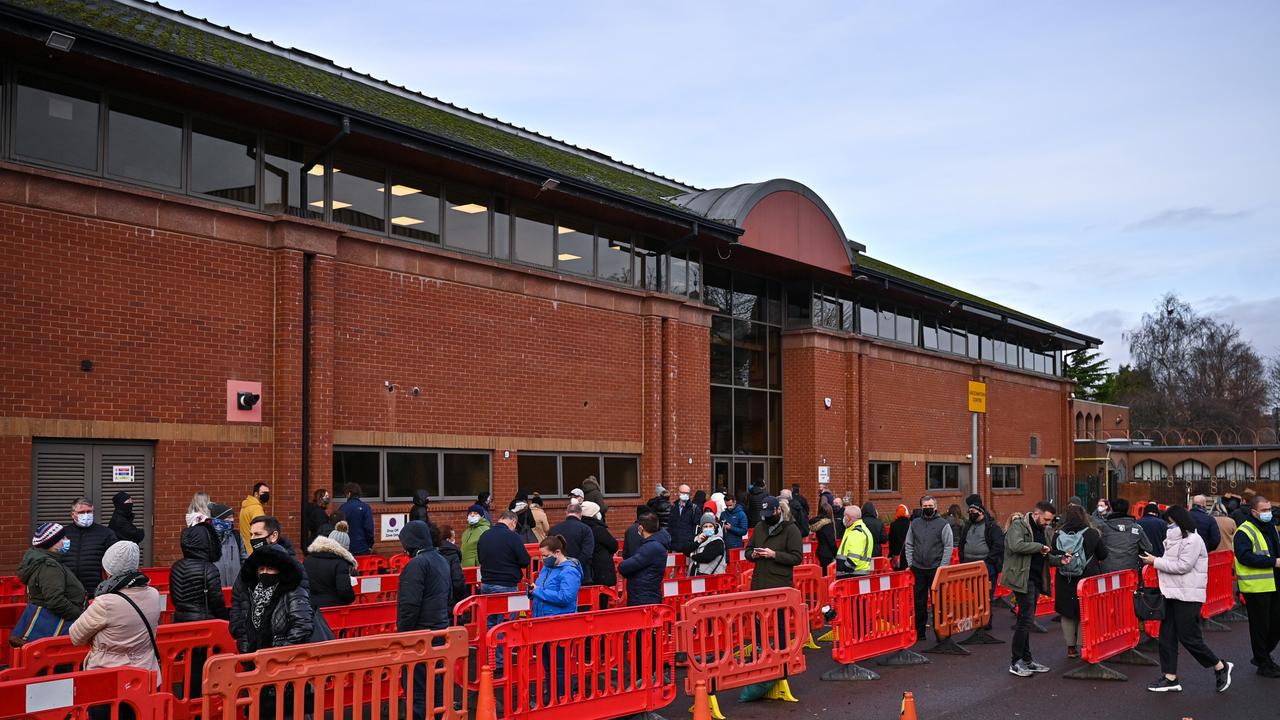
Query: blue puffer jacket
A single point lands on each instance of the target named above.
(734, 535)
(644, 571)
(556, 590)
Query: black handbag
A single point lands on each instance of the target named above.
(1148, 604)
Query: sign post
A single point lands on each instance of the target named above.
(977, 404)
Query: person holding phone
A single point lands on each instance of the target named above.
(1027, 559)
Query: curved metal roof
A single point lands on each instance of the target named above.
(732, 205)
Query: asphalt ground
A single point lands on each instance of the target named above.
(979, 686)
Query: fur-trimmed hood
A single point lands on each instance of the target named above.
(322, 544)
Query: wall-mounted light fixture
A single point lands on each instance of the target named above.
(60, 41)
(826, 403)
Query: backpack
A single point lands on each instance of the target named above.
(1072, 543)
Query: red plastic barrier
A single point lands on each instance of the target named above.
(1218, 594)
(397, 563)
(350, 621)
(9, 615)
(12, 590)
(158, 577)
(874, 615)
(1152, 580)
(677, 566)
(1044, 604)
(813, 587)
(376, 588)
(1108, 626)
(807, 551)
(604, 664)
(675, 593)
(70, 697)
(880, 565)
(371, 564)
(734, 563)
(774, 623)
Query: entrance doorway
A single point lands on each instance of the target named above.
(61, 472)
(737, 474)
(1051, 483)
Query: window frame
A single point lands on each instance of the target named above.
(894, 476)
(960, 472)
(1005, 481)
(562, 491)
(436, 494)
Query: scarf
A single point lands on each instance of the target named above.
(262, 597)
(121, 581)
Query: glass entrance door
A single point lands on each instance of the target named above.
(744, 472)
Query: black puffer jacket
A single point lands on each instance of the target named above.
(871, 518)
(84, 559)
(661, 506)
(314, 520)
(603, 571)
(457, 581)
(423, 600)
(195, 587)
(122, 519)
(755, 503)
(288, 620)
(329, 567)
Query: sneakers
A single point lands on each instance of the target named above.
(1072, 651)
(1019, 668)
(1036, 667)
(1222, 677)
(1164, 684)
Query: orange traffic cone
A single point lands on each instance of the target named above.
(908, 707)
(701, 704)
(485, 709)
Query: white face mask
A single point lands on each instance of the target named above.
(84, 519)
(684, 497)
(1102, 508)
(473, 519)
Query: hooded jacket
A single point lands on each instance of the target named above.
(602, 568)
(457, 581)
(580, 543)
(50, 585)
(709, 556)
(591, 492)
(556, 590)
(114, 632)
(871, 518)
(1125, 541)
(646, 569)
(421, 499)
(755, 504)
(290, 618)
(784, 539)
(84, 560)
(250, 508)
(195, 587)
(824, 530)
(541, 525)
(661, 506)
(360, 517)
(423, 602)
(329, 567)
(122, 520)
(315, 522)
(898, 536)
(993, 536)
(1183, 570)
(470, 542)
(1019, 545)
(734, 535)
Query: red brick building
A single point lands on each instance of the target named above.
(424, 297)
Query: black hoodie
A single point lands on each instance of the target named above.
(423, 602)
(872, 520)
(122, 520)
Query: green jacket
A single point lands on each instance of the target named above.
(786, 541)
(471, 536)
(1019, 546)
(50, 585)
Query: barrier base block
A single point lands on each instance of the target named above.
(1096, 672)
(828, 636)
(1003, 602)
(781, 690)
(948, 647)
(1037, 627)
(1211, 625)
(981, 637)
(810, 644)
(903, 658)
(1132, 657)
(850, 672)
(1235, 614)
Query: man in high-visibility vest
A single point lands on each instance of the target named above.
(1257, 551)
(853, 557)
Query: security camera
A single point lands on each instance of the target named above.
(245, 400)
(416, 391)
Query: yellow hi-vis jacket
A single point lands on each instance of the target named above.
(856, 546)
(1252, 579)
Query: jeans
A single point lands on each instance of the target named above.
(1264, 626)
(924, 583)
(1022, 629)
(491, 620)
(1071, 632)
(1181, 624)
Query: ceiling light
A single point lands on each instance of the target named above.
(336, 205)
(470, 208)
(616, 246)
(406, 220)
(565, 257)
(562, 230)
(318, 170)
(317, 203)
(401, 190)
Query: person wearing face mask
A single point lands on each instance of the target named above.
(122, 519)
(476, 526)
(50, 586)
(982, 539)
(1027, 559)
(603, 571)
(708, 556)
(776, 546)
(1257, 566)
(89, 542)
(928, 547)
(233, 549)
(853, 557)
(524, 517)
(265, 531)
(734, 521)
(1101, 512)
(315, 517)
(555, 593)
(684, 522)
(253, 506)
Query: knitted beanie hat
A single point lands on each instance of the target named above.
(120, 558)
(339, 534)
(47, 535)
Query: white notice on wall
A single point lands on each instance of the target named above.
(824, 473)
(392, 524)
(122, 473)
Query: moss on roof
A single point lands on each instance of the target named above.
(185, 41)
(880, 266)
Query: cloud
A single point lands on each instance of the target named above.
(1258, 320)
(1180, 217)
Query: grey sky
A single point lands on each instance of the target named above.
(1073, 160)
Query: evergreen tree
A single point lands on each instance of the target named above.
(1088, 369)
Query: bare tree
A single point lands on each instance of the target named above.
(1273, 379)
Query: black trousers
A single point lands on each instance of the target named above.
(1181, 624)
(924, 583)
(1021, 647)
(1264, 625)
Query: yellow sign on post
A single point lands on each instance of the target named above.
(977, 397)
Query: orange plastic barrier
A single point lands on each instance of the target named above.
(376, 588)
(717, 629)
(1044, 603)
(813, 587)
(961, 596)
(874, 615)
(397, 562)
(351, 621)
(371, 564)
(360, 673)
(71, 697)
(183, 648)
(603, 664)
(675, 593)
(1152, 580)
(9, 615)
(1108, 626)
(158, 577)
(12, 590)
(1218, 594)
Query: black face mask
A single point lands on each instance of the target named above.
(773, 519)
(928, 512)
(265, 497)
(974, 516)
(258, 543)
(268, 579)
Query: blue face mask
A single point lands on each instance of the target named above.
(1265, 517)
(708, 532)
(222, 526)
(84, 520)
(65, 547)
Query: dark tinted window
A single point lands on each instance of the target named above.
(358, 194)
(534, 240)
(576, 249)
(883, 477)
(466, 219)
(410, 471)
(465, 475)
(613, 256)
(144, 143)
(224, 162)
(501, 229)
(750, 420)
(576, 468)
(415, 208)
(721, 420)
(650, 267)
(749, 354)
(679, 279)
(283, 180)
(721, 350)
(56, 122)
(537, 473)
(357, 466)
(621, 476)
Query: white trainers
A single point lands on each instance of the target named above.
(1020, 669)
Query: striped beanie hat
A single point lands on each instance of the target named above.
(47, 535)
